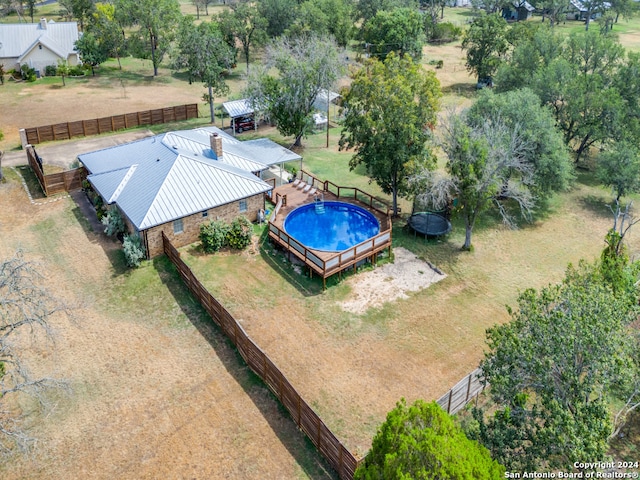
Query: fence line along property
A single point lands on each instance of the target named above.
(462, 393)
(96, 126)
(338, 456)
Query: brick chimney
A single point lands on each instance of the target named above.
(43, 23)
(216, 145)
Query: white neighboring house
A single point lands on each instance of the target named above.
(38, 44)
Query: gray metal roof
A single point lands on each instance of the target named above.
(159, 179)
(320, 103)
(238, 108)
(17, 39)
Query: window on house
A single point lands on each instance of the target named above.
(177, 226)
(205, 214)
(243, 206)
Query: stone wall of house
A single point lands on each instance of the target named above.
(191, 224)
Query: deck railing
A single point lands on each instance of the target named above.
(347, 192)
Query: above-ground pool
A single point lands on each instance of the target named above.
(338, 226)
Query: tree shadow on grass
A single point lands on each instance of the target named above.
(298, 445)
(597, 205)
(466, 90)
(86, 216)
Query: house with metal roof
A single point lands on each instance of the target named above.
(38, 44)
(175, 181)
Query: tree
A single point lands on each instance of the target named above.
(619, 168)
(323, 18)
(108, 29)
(305, 66)
(25, 312)
(546, 153)
(400, 30)
(244, 24)
(390, 110)
(91, 52)
(367, 9)
(486, 45)
(581, 79)
(63, 70)
(486, 165)
(280, 14)
(553, 368)
(156, 21)
(205, 54)
(423, 442)
(79, 9)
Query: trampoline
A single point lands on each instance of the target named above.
(429, 224)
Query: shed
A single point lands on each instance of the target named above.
(517, 11)
(326, 102)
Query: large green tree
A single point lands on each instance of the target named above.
(367, 9)
(553, 369)
(244, 23)
(619, 168)
(324, 17)
(390, 110)
(205, 55)
(280, 14)
(546, 152)
(305, 65)
(587, 81)
(486, 45)
(91, 51)
(108, 29)
(400, 30)
(156, 21)
(422, 442)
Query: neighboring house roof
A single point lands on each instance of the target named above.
(162, 178)
(526, 5)
(581, 7)
(18, 39)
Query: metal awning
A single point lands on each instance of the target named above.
(238, 108)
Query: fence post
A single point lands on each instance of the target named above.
(449, 402)
(23, 138)
(468, 387)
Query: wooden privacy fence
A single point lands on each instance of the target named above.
(55, 182)
(338, 456)
(462, 393)
(96, 126)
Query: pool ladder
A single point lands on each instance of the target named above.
(319, 201)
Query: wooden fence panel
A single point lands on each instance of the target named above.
(83, 128)
(76, 129)
(36, 168)
(309, 422)
(462, 393)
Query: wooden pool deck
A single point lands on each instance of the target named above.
(325, 264)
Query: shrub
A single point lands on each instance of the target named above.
(134, 251)
(76, 71)
(213, 235)
(114, 225)
(240, 233)
(50, 70)
(28, 73)
(442, 32)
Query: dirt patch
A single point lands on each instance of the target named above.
(392, 281)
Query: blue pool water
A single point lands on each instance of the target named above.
(341, 226)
